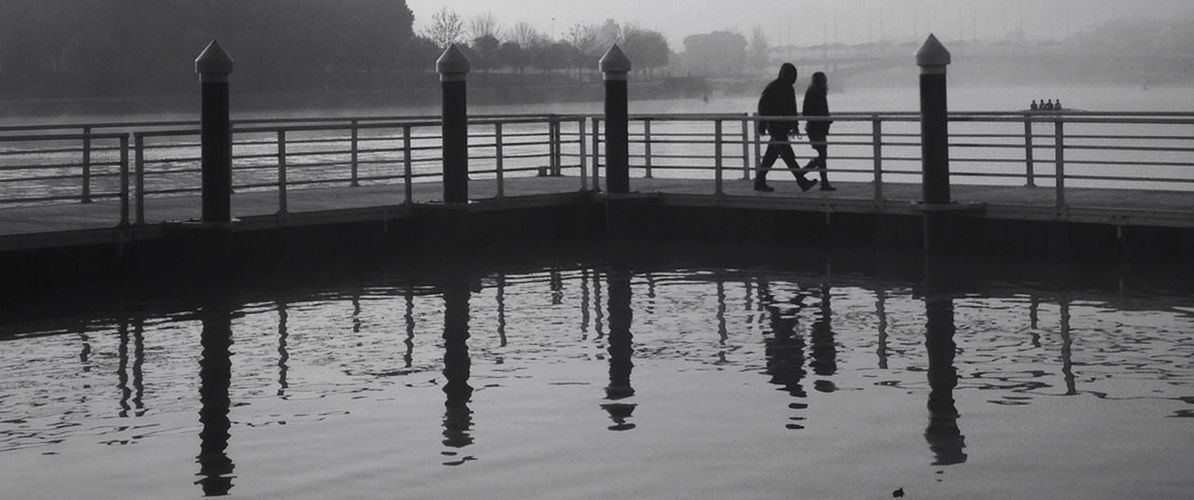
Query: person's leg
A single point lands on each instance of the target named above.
(818, 143)
(789, 157)
(769, 156)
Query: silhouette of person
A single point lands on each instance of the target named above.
(1034, 106)
(779, 100)
(1057, 105)
(1049, 105)
(816, 104)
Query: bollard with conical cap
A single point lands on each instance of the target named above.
(453, 68)
(214, 65)
(615, 67)
(934, 121)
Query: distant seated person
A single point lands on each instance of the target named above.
(1034, 106)
(1049, 105)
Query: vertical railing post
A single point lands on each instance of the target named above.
(647, 147)
(1059, 152)
(583, 155)
(86, 198)
(453, 68)
(596, 154)
(717, 160)
(214, 65)
(124, 180)
(616, 66)
(407, 167)
(355, 132)
(745, 148)
(139, 174)
(757, 141)
(555, 146)
(282, 209)
(500, 167)
(1030, 171)
(877, 153)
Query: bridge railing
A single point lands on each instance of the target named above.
(49, 168)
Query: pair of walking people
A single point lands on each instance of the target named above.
(779, 100)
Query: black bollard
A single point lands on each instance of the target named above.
(214, 65)
(616, 66)
(453, 68)
(934, 121)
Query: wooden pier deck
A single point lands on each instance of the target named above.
(77, 224)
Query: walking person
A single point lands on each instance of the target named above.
(779, 100)
(816, 104)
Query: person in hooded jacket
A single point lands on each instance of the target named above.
(779, 100)
(816, 104)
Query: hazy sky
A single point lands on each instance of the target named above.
(807, 22)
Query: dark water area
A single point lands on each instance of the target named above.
(647, 371)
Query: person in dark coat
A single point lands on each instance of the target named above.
(816, 104)
(779, 99)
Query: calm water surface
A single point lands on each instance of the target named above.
(594, 379)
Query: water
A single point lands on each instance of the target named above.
(623, 378)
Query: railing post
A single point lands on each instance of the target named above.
(555, 146)
(1059, 148)
(407, 167)
(453, 68)
(757, 142)
(616, 66)
(745, 148)
(584, 174)
(877, 145)
(647, 147)
(282, 172)
(497, 144)
(1028, 152)
(596, 154)
(214, 65)
(355, 132)
(717, 161)
(124, 180)
(86, 198)
(139, 145)
(934, 121)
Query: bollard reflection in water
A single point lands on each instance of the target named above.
(458, 417)
(215, 376)
(621, 348)
(824, 361)
(945, 438)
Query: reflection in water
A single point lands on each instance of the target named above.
(945, 438)
(215, 376)
(1067, 346)
(723, 333)
(584, 304)
(138, 365)
(621, 349)
(785, 348)
(824, 348)
(557, 287)
(501, 309)
(283, 352)
(122, 369)
(409, 317)
(458, 417)
(881, 312)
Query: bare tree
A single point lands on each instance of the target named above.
(484, 25)
(446, 28)
(526, 35)
(759, 59)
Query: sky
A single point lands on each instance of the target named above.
(810, 22)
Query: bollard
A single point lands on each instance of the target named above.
(453, 68)
(615, 66)
(934, 121)
(214, 65)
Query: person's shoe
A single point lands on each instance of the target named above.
(763, 188)
(806, 184)
(826, 187)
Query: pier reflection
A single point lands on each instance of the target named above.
(458, 417)
(215, 377)
(621, 351)
(283, 351)
(942, 433)
(784, 348)
(824, 361)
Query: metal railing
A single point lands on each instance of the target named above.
(83, 163)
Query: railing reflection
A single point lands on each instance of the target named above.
(283, 351)
(215, 377)
(824, 347)
(458, 417)
(621, 350)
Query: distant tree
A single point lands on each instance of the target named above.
(484, 25)
(757, 53)
(585, 49)
(609, 33)
(445, 29)
(487, 47)
(512, 55)
(526, 35)
(646, 49)
(419, 54)
(720, 53)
